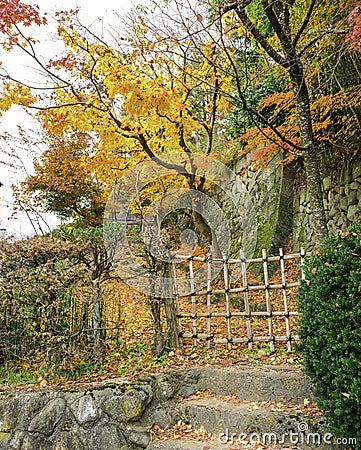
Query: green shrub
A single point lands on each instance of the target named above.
(330, 331)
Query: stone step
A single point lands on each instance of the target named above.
(244, 408)
(283, 384)
(231, 422)
(187, 444)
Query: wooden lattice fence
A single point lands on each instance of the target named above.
(237, 307)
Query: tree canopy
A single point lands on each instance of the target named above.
(266, 72)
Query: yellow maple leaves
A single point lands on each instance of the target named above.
(140, 99)
(15, 94)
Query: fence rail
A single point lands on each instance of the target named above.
(242, 308)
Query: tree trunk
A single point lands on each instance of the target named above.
(315, 190)
(159, 341)
(97, 319)
(278, 14)
(172, 325)
(202, 226)
(170, 311)
(310, 156)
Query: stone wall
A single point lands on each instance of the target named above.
(93, 418)
(284, 213)
(111, 415)
(342, 201)
(271, 190)
(117, 414)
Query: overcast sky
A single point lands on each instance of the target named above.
(100, 16)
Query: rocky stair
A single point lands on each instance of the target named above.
(234, 408)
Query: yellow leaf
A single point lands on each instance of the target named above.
(345, 394)
(305, 401)
(43, 383)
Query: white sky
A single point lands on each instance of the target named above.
(98, 15)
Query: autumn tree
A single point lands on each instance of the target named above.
(286, 46)
(131, 102)
(287, 37)
(333, 80)
(168, 85)
(62, 183)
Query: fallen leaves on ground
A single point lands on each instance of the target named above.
(129, 348)
(309, 409)
(188, 432)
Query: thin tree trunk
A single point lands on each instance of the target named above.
(199, 221)
(315, 190)
(310, 156)
(97, 319)
(172, 326)
(278, 14)
(159, 341)
(170, 310)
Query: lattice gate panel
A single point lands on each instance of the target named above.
(235, 307)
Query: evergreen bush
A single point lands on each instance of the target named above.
(330, 330)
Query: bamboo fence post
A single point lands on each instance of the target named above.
(285, 304)
(193, 301)
(228, 309)
(209, 297)
(246, 300)
(302, 254)
(268, 300)
(177, 306)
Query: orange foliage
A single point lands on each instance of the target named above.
(64, 184)
(354, 37)
(14, 12)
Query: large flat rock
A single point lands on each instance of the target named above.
(231, 422)
(285, 385)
